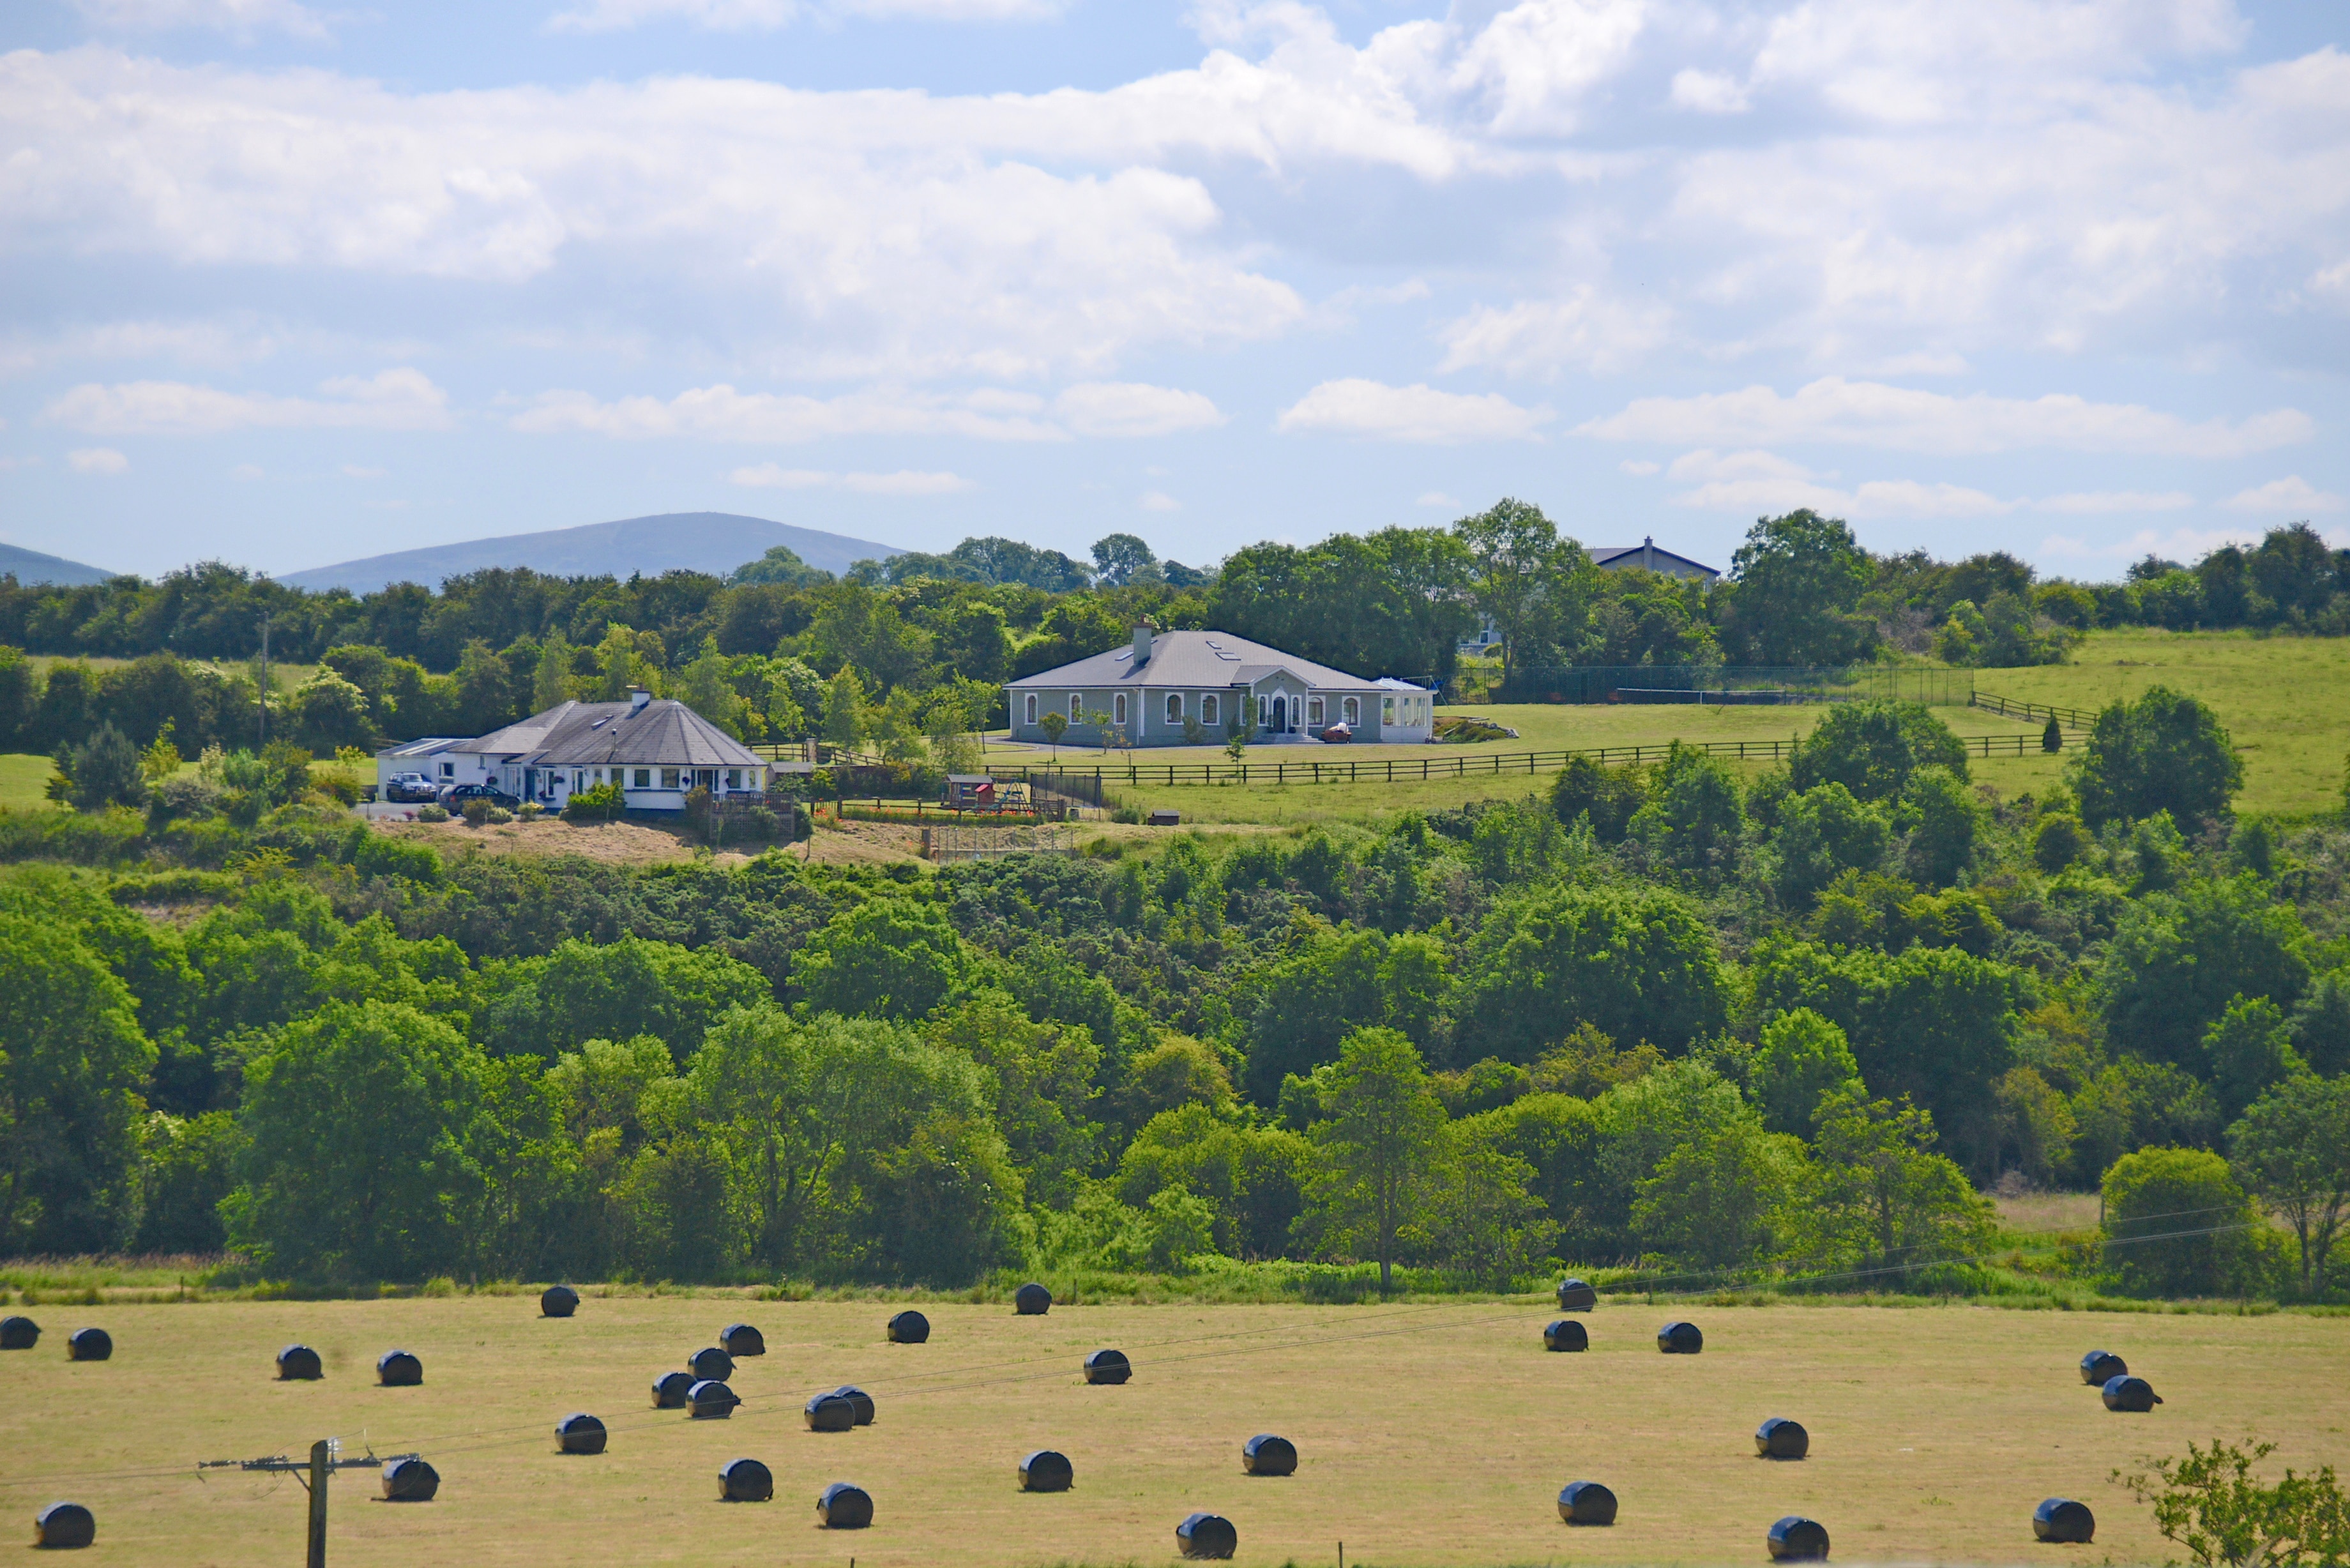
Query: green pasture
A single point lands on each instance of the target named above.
(23, 779)
(1428, 1433)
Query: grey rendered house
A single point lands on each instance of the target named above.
(657, 751)
(1145, 693)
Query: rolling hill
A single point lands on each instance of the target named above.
(29, 566)
(675, 540)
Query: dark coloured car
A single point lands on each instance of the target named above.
(454, 796)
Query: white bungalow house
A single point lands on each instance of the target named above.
(657, 751)
(1172, 686)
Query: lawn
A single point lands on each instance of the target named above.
(1428, 1434)
(24, 779)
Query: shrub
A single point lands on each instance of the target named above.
(2058, 841)
(604, 803)
(379, 855)
(2166, 751)
(476, 812)
(431, 814)
(2177, 1225)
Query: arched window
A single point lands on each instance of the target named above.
(1208, 710)
(1077, 707)
(1175, 707)
(1032, 708)
(1118, 706)
(1354, 710)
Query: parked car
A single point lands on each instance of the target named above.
(454, 796)
(410, 788)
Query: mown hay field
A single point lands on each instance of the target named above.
(1428, 1434)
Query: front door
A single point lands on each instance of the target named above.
(1280, 715)
(530, 784)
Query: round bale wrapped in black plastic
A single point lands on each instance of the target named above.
(841, 1506)
(19, 1334)
(1032, 1300)
(710, 1400)
(298, 1363)
(64, 1527)
(2132, 1394)
(745, 1480)
(2063, 1522)
(397, 1369)
(829, 1412)
(1266, 1455)
(409, 1481)
(2101, 1366)
(1586, 1502)
(858, 1400)
(671, 1388)
(1207, 1535)
(712, 1361)
(558, 1301)
(90, 1345)
(1110, 1366)
(740, 1340)
(1566, 1334)
(579, 1433)
(1047, 1470)
(1574, 1295)
(909, 1327)
(1680, 1339)
(1779, 1438)
(1796, 1539)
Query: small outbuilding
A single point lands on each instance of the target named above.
(558, 1301)
(64, 1526)
(410, 1480)
(745, 1480)
(2063, 1522)
(90, 1345)
(1566, 1334)
(909, 1327)
(1586, 1502)
(398, 1369)
(1267, 1455)
(670, 1390)
(1207, 1535)
(710, 1400)
(1574, 1295)
(711, 1362)
(2101, 1366)
(19, 1334)
(1780, 1438)
(2131, 1395)
(1032, 1300)
(1047, 1470)
(1680, 1339)
(740, 1340)
(298, 1363)
(1796, 1539)
(1110, 1366)
(841, 1506)
(829, 1412)
(579, 1433)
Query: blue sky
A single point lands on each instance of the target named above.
(290, 282)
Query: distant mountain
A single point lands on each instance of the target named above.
(30, 567)
(714, 542)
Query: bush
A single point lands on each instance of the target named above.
(431, 814)
(379, 856)
(476, 812)
(604, 803)
(2058, 841)
(2177, 1225)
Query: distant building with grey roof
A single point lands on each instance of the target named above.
(1650, 556)
(1191, 688)
(657, 751)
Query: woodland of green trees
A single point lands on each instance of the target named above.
(1791, 1028)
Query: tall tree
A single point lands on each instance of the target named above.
(1535, 585)
(1379, 1138)
(2291, 1150)
(1794, 583)
(2166, 751)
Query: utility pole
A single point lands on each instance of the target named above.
(325, 1459)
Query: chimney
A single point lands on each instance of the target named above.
(1142, 642)
(637, 697)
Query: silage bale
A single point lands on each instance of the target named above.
(64, 1527)
(1680, 1339)
(829, 1412)
(1586, 1502)
(2133, 1396)
(397, 1369)
(1779, 1438)
(90, 1345)
(670, 1390)
(1046, 1471)
(2063, 1522)
(579, 1433)
(18, 1333)
(1032, 1300)
(740, 1340)
(842, 1506)
(1798, 1540)
(2101, 1366)
(745, 1480)
(1109, 1366)
(1267, 1455)
(409, 1481)
(909, 1327)
(711, 1362)
(558, 1301)
(859, 1400)
(1566, 1334)
(1574, 1295)
(298, 1363)
(710, 1400)
(1207, 1535)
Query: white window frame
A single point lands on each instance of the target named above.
(1077, 707)
(1118, 708)
(1313, 711)
(1175, 708)
(1207, 707)
(1351, 710)
(668, 778)
(1263, 710)
(1032, 708)
(644, 778)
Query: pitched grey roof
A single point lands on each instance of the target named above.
(1196, 659)
(589, 734)
(1615, 555)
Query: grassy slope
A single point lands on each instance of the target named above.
(1428, 1434)
(22, 780)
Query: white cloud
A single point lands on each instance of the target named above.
(356, 470)
(236, 17)
(904, 481)
(722, 414)
(1584, 329)
(1639, 468)
(399, 399)
(1158, 501)
(2174, 545)
(2098, 503)
(2292, 493)
(245, 472)
(1759, 482)
(97, 460)
(1871, 414)
(1419, 412)
(765, 15)
(1708, 92)
(1436, 498)
(1133, 408)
